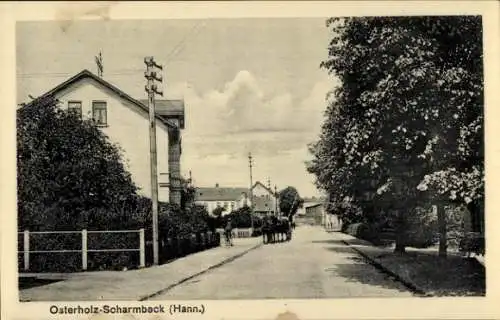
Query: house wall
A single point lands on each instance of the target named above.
(231, 205)
(128, 126)
(315, 213)
(302, 211)
(260, 191)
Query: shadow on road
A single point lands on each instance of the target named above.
(365, 274)
(31, 282)
(340, 242)
(361, 270)
(342, 249)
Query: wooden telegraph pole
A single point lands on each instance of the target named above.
(251, 189)
(276, 201)
(151, 90)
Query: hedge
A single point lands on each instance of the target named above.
(174, 223)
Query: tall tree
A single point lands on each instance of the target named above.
(405, 94)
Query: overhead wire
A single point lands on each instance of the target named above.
(176, 50)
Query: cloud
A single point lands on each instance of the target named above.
(242, 111)
(223, 125)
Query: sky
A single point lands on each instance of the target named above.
(249, 85)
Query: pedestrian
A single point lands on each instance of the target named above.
(228, 232)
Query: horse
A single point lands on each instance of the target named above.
(267, 230)
(282, 229)
(285, 229)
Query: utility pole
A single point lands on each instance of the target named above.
(151, 89)
(251, 188)
(269, 197)
(276, 200)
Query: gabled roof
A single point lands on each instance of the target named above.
(219, 194)
(87, 74)
(168, 109)
(262, 185)
(314, 205)
(226, 194)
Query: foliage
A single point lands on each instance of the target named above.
(421, 228)
(188, 195)
(218, 211)
(242, 218)
(408, 113)
(290, 201)
(69, 174)
(71, 177)
(361, 231)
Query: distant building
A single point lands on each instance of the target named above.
(264, 199)
(312, 201)
(125, 121)
(315, 214)
(228, 198)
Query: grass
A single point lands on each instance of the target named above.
(451, 276)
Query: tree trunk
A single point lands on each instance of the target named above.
(476, 217)
(400, 232)
(441, 215)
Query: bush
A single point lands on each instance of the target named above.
(241, 218)
(361, 231)
(421, 228)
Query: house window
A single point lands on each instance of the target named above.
(75, 107)
(100, 113)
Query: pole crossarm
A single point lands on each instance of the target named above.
(151, 89)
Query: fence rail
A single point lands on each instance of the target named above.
(84, 248)
(238, 232)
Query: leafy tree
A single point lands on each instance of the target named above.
(409, 107)
(290, 201)
(188, 195)
(69, 174)
(218, 211)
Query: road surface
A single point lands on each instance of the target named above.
(314, 264)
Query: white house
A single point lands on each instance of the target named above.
(264, 199)
(125, 121)
(228, 198)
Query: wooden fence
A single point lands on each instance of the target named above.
(238, 232)
(84, 248)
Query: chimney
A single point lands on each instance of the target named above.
(175, 115)
(174, 165)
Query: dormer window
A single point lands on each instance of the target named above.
(100, 113)
(75, 107)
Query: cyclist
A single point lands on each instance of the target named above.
(228, 232)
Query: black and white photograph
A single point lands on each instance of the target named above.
(249, 158)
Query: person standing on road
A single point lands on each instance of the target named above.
(228, 232)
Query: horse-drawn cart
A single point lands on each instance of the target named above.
(276, 230)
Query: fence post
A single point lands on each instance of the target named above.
(26, 244)
(84, 249)
(142, 251)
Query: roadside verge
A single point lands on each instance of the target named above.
(422, 271)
